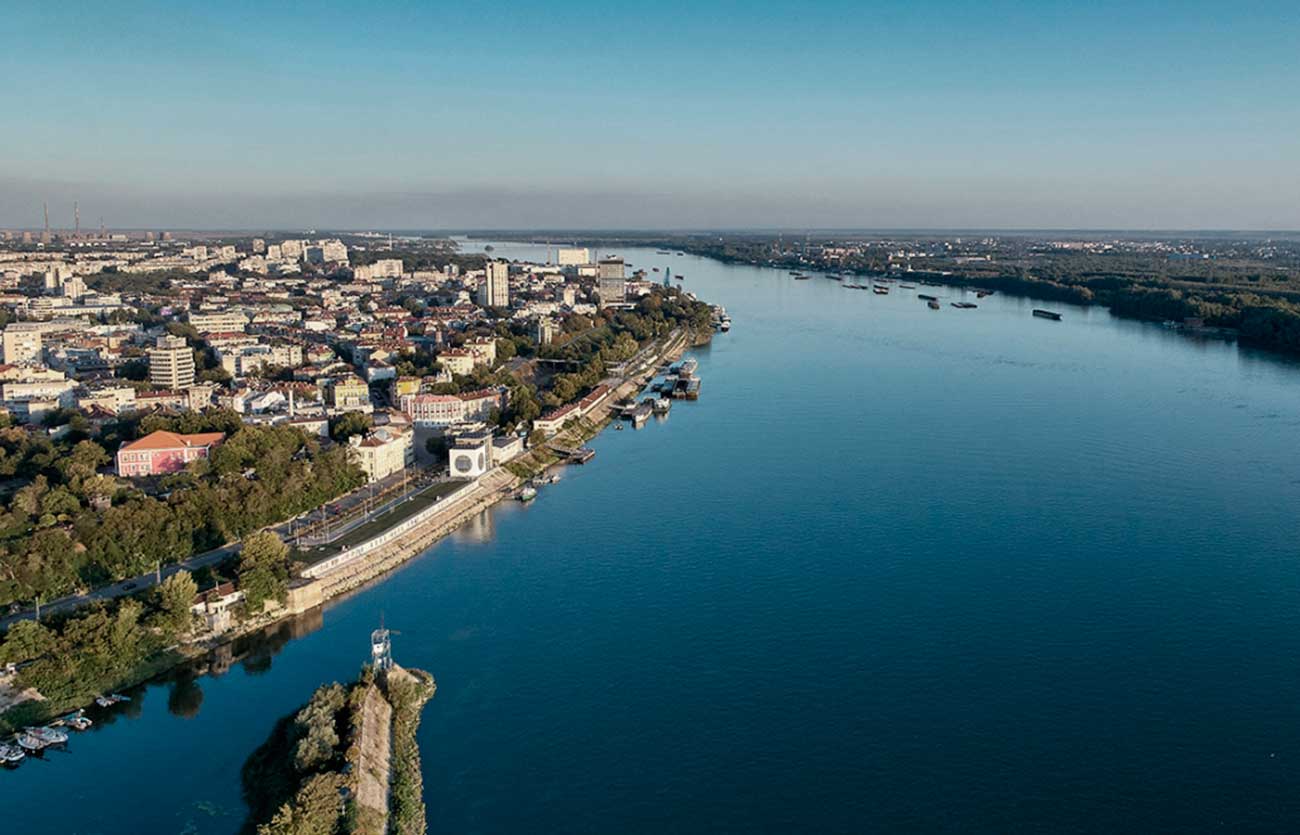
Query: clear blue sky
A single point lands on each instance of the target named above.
(870, 114)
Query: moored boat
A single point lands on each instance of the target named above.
(29, 742)
(11, 754)
(1047, 314)
(77, 721)
(528, 493)
(933, 304)
(50, 736)
(924, 297)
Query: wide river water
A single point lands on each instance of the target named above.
(897, 569)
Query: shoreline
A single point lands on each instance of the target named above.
(373, 567)
(1135, 301)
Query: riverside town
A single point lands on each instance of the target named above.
(202, 435)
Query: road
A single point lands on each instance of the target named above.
(323, 524)
(332, 521)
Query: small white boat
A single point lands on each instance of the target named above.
(29, 742)
(527, 494)
(77, 721)
(11, 754)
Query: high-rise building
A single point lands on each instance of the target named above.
(22, 343)
(171, 363)
(495, 289)
(73, 287)
(610, 282)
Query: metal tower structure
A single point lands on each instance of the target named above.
(381, 650)
(76, 214)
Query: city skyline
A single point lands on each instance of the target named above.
(1120, 116)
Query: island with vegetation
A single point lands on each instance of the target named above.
(346, 762)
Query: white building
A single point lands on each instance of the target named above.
(221, 321)
(573, 256)
(171, 364)
(22, 343)
(495, 289)
(385, 268)
(385, 451)
(471, 455)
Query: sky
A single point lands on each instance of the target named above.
(575, 114)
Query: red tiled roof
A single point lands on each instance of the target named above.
(174, 440)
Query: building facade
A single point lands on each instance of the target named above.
(171, 364)
(22, 343)
(164, 452)
(495, 289)
(383, 452)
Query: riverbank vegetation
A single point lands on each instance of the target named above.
(304, 779)
(109, 646)
(297, 781)
(1248, 283)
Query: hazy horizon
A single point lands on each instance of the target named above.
(884, 115)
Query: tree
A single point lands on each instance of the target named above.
(263, 570)
(436, 446)
(26, 640)
(175, 597)
(82, 463)
(348, 424)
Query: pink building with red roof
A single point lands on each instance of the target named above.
(164, 452)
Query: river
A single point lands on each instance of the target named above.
(897, 569)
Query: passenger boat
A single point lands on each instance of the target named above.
(880, 291)
(965, 305)
(907, 286)
(642, 414)
(924, 297)
(29, 743)
(801, 277)
(1047, 314)
(933, 303)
